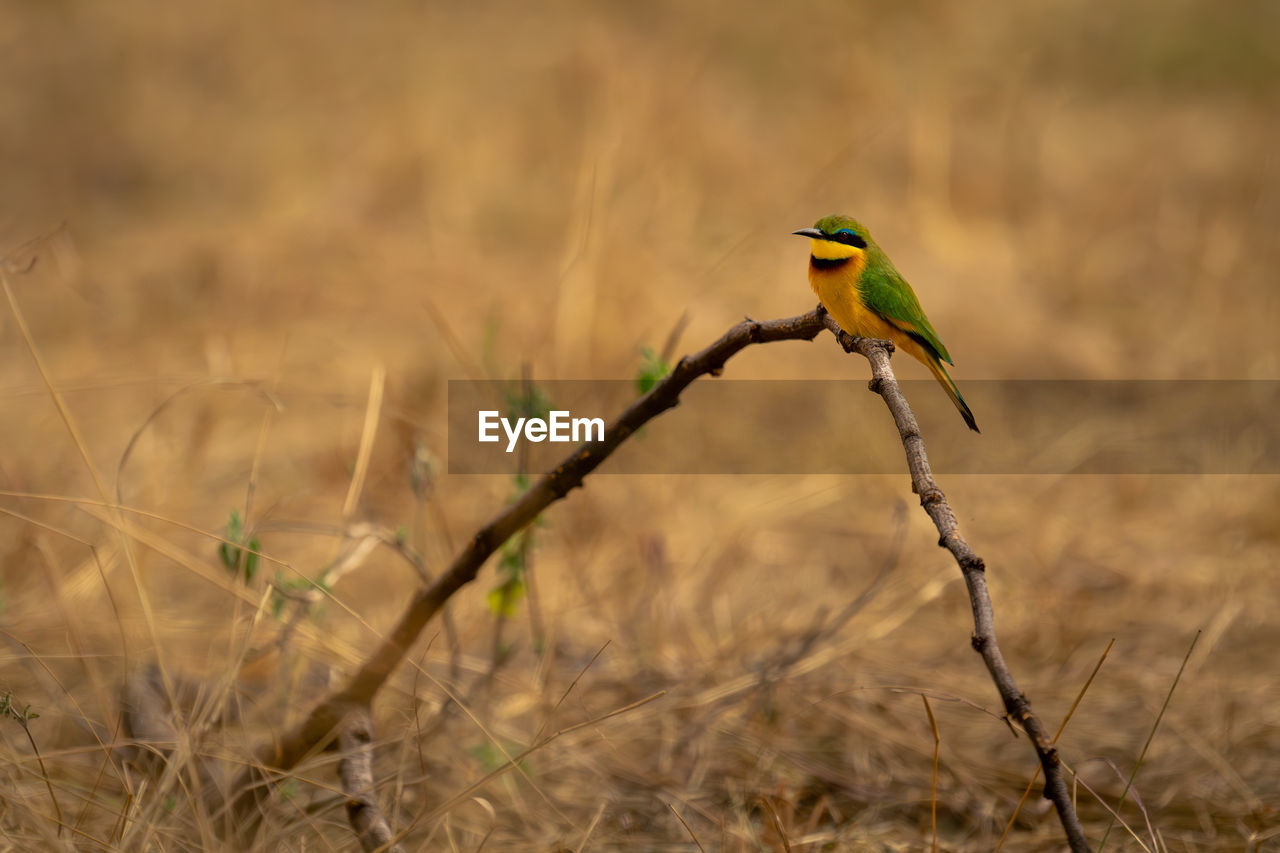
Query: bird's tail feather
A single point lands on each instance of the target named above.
(944, 379)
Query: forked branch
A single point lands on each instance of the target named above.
(318, 731)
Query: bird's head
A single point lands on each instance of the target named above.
(836, 238)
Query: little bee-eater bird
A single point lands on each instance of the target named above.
(859, 286)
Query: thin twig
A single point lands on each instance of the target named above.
(23, 718)
(972, 567)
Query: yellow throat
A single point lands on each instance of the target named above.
(829, 250)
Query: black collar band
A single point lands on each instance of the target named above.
(827, 263)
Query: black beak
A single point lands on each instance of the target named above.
(812, 233)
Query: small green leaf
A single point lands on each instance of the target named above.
(8, 709)
(502, 599)
(511, 561)
(251, 560)
(234, 558)
(653, 369)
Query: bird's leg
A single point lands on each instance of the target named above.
(852, 343)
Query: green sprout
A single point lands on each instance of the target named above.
(504, 597)
(238, 556)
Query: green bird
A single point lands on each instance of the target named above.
(859, 286)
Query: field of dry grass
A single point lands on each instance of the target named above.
(254, 210)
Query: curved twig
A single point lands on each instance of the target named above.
(317, 731)
(547, 490)
(935, 504)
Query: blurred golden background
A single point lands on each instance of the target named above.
(248, 211)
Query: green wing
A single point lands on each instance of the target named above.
(887, 293)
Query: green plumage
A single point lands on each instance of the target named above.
(885, 291)
(859, 285)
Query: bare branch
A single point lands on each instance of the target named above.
(555, 485)
(355, 770)
(317, 731)
(935, 504)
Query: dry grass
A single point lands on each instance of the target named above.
(261, 204)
